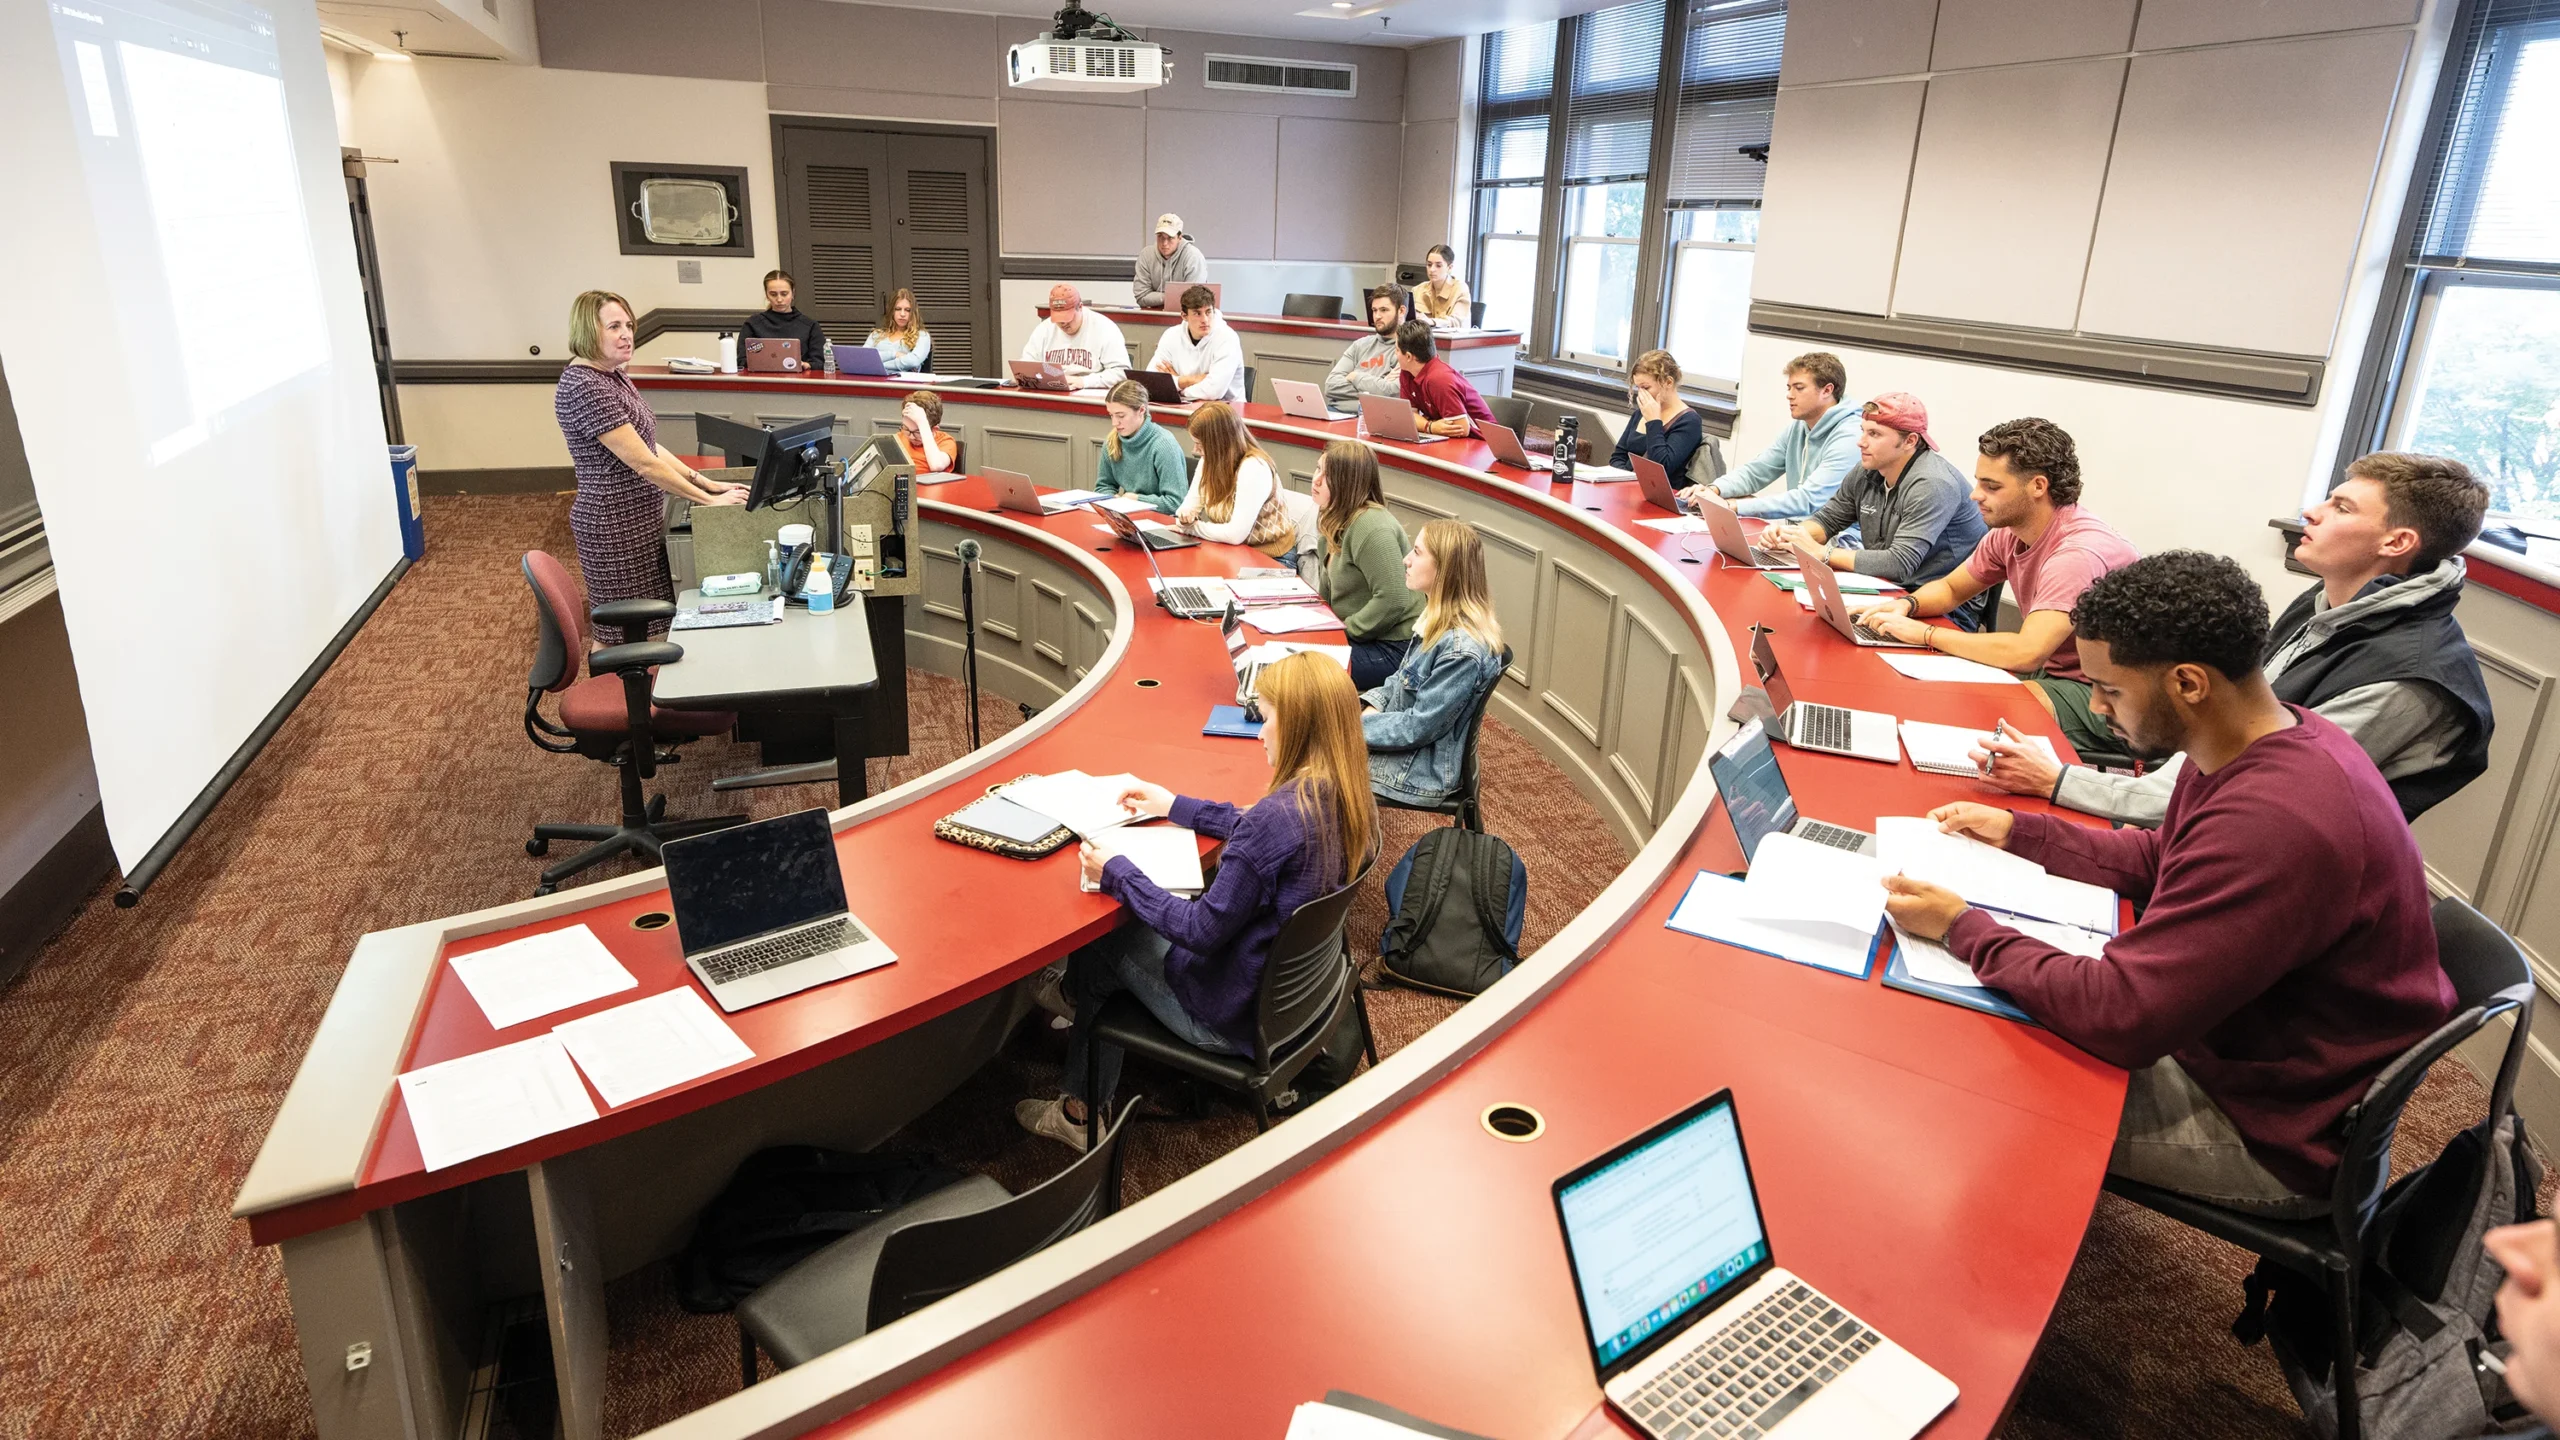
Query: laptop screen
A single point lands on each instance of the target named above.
(1764, 661)
(1756, 798)
(1659, 1230)
(747, 880)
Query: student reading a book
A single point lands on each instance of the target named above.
(1417, 721)
(1197, 964)
(2285, 952)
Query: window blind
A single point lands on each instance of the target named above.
(1518, 91)
(1728, 96)
(2494, 184)
(1609, 110)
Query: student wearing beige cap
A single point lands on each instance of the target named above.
(1169, 264)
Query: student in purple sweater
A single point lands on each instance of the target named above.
(2285, 952)
(1197, 964)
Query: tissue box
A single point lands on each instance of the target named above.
(741, 584)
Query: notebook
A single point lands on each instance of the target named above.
(1948, 749)
(1166, 854)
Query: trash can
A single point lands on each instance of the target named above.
(404, 498)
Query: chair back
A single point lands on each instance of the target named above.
(560, 653)
(931, 1259)
(1248, 385)
(1294, 306)
(1707, 466)
(1468, 779)
(1307, 969)
(1475, 314)
(1511, 412)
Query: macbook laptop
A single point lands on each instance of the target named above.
(1162, 389)
(859, 360)
(1038, 374)
(1173, 296)
(1758, 802)
(1185, 601)
(1390, 418)
(1833, 607)
(760, 909)
(1657, 485)
(1306, 401)
(1505, 444)
(1694, 1329)
(1726, 529)
(1014, 491)
(1146, 535)
(762, 354)
(1832, 729)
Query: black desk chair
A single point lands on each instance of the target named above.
(2490, 979)
(1466, 806)
(1294, 306)
(1475, 314)
(923, 1251)
(608, 716)
(1308, 983)
(1511, 412)
(1248, 385)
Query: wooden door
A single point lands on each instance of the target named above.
(865, 211)
(834, 236)
(943, 245)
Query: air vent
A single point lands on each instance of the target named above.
(1285, 77)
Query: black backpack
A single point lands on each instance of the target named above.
(786, 1204)
(1457, 897)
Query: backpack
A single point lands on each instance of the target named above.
(1457, 899)
(785, 1204)
(2424, 1300)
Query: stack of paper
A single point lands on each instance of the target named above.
(1598, 474)
(1934, 963)
(1948, 749)
(479, 1104)
(1086, 804)
(1681, 525)
(639, 1049)
(1947, 667)
(532, 977)
(1058, 500)
(1809, 903)
(1991, 878)
(1166, 854)
(1271, 590)
(1126, 505)
(1291, 619)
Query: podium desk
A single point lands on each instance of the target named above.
(806, 662)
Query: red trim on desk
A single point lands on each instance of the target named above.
(2494, 569)
(1343, 330)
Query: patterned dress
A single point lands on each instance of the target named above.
(619, 519)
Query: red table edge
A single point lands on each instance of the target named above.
(2514, 576)
(1471, 339)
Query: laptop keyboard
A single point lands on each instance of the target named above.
(1190, 599)
(1755, 1372)
(781, 950)
(1838, 837)
(1824, 727)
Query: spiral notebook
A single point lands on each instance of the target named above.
(1948, 749)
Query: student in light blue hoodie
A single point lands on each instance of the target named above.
(1812, 454)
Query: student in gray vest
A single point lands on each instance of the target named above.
(1913, 507)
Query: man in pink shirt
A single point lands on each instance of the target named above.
(2026, 482)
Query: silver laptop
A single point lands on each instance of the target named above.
(1505, 444)
(1014, 491)
(1725, 528)
(1389, 417)
(1306, 401)
(760, 909)
(1832, 729)
(1828, 603)
(1693, 1327)
(1147, 535)
(1656, 484)
(1184, 601)
(1758, 802)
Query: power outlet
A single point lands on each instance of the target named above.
(688, 272)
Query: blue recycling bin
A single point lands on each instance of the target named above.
(404, 498)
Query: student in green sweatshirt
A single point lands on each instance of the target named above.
(1138, 457)
(1363, 573)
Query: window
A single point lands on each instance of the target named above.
(1511, 172)
(2475, 370)
(1728, 96)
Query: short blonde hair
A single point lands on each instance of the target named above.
(1659, 365)
(586, 323)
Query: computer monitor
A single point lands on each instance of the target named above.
(789, 455)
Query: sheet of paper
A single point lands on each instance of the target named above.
(479, 1104)
(1167, 854)
(1678, 525)
(1069, 499)
(1293, 619)
(1796, 883)
(1086, 804)
(1271, 651)
(2542, 550)
(1949, 748)
(1709, 911)
(1599, 474)
(1935, 963)
(1948, 668)
(651, 1045)
(529, 978)
(1316, 1420)
(1126, 505)
(1271, 590)
(1849, 581)
(1989, 877)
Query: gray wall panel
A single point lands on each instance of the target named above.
(1432, 80)
(1334, 177)
(2005, 32)
(706, 39)
(878, 48)
(1431, 177)
(2168, 23)
(1053, 199)
(1856, 40)
(1834, 210)
(1214, 170)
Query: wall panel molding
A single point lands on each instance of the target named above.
(2234, 374)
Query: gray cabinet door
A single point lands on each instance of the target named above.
(867, 211)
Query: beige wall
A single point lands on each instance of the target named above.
(48, 783)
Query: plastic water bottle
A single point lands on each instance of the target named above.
(1568, 447)
(821, 588)
(828, 349)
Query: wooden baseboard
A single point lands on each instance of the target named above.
(39, 905)
(518, 480)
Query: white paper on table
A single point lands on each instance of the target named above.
(1291, 619)
(639, 1049)
(1948, 668)
(479, 1104)
(1086, 804)
(2542, 550)
(1949, 748)
(1167, 854)
(1126, 505)
(1990, 877)
(524, 979)
(1708, 911)
(1068, 499)
(1678, 525)
(1601, 474)
(1271, 590)
(1933, 962)
(1853, 583)
(940, 477)
(1273, 651)
(1316, 1420)
(1799, 883)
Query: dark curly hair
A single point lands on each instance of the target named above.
(2037, 447)
(2178, 607)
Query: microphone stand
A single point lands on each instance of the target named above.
(968, 551)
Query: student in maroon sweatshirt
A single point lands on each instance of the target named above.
(2285, 952)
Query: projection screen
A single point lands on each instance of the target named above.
(183, 331)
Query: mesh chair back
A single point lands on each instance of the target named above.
(561, 651)
(1306, 972)
(1310, 307)
(931, 1259)
(1511, 412)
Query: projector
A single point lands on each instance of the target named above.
(1083, 51)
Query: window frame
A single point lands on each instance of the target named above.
(1723, 384)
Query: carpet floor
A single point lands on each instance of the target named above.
(143, 1054)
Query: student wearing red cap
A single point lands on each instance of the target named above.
(1910, 504)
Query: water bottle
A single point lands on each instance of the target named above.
(828, 349)
(821, 591)
(1568, 447)
(772, 568)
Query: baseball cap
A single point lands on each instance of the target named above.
(1900, 410)
(1168, 224)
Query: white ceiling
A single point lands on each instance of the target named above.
(1407, 22)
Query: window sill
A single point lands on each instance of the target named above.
(2493, 566)
(1608, 391)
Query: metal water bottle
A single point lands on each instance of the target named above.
(1568, 447)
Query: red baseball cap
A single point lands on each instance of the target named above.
(1900, 410)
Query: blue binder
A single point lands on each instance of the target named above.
(1989, 1001)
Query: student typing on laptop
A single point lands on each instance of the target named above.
(1907, 502)
(2285, 952)
(1087, 346)
(1234, 497)
(1416, 720)
(1139, 456)
(1368, 365)
(1663, 429)
(1819, 445)
(1197, 964)
(781, 320)
(1440, 395)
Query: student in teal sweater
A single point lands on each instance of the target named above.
(1363, 573)
(1138, 457)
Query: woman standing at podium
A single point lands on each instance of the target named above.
(624, 474)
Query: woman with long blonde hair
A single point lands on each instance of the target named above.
(1361, 569)
(1197, 964)
(1235, 494)
(900, 337)
(1417, 721)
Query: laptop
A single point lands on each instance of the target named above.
(762, 354)
(1832, 729)
(1186, 602)
(1694, 1329)
(1725, 528)
(1038, 374)
(1830, 605)
(859, 360)
(1389, 417)
(1173, 296)
(1758, 802)
(760, 910)
(1146, 535)
(1162, 389)
(1014, 491)
(1505, 444)
(1306, 401)
(1657, 486)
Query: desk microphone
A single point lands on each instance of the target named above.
(968, 551)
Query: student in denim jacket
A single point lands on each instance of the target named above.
(1416, 723)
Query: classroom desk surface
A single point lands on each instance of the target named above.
(1344, 330)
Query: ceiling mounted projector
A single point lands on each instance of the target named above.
(1088, 52)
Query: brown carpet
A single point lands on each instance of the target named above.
(143, 1054)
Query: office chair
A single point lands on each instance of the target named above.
(2490, 979)
(1475, 314)
(1248, 384)
(1307, 984)
(1467, 805)
(923, 1251)
(607, 716)
(1511, 412)
(1294, 306)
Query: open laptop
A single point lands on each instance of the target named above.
(1014, 491)
(760, 910)
(1185, 601)
(1725, 528)
(1147, 535)
(1173, 296)
(1162, 389)
(1505, 444)
(1656, 483)
(1832, 729)
(1694, 1328)
(1833, 607)
(1758, 802)
(762, 354)
(1389, 417)
(1038, 374)
(859, 360)
(1306, 401)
